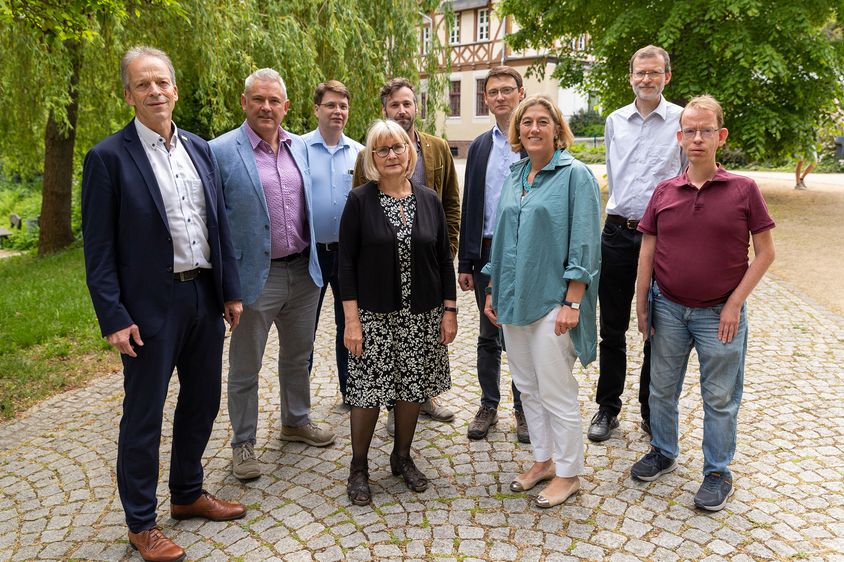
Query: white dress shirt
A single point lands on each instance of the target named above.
(184, 198)
(641, 152)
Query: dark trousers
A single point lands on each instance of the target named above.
(191, 341)
(328, 265)
(619, 260)
(489, 345)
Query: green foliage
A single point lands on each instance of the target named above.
(45, 315)
(214, 45)
(776, 66)
(24, 200)
(587, 123)
(589, 154)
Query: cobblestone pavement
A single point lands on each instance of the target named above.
(58, 498)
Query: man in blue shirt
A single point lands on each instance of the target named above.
(487, 166)
(332, 161)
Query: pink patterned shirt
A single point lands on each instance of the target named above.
(285, 194)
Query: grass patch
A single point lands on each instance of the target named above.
(51, 340)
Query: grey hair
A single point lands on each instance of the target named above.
(264, 74)
(141, 51)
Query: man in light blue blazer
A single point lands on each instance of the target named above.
(267, 188)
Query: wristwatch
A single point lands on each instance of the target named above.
(572, 305)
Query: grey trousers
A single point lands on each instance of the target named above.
(289, 301)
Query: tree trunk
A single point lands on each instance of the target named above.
(55, 222)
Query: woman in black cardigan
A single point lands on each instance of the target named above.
(399, 299)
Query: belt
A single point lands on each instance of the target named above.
(630, 224)
(330, 247)
(190, 275)
(486, 242)
(304, 253)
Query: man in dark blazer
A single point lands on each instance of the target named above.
(487, 166)
(162, 276)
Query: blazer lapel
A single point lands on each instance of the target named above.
(136, 151)
(247, 155)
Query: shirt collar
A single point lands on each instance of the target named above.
(628, 111)
(152, 139)
(560, 159)
(683, 179)
(316, 138)
(497, 133)
(255, 140)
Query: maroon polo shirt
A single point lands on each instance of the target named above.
(703, 235)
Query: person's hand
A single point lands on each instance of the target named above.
(728, 326)
(232, 311)
(567, 318)
(490, 312)
(466, 281)
(353, 338)
(448, 327)
(121, 340)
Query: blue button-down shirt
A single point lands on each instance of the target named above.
(331, 177)
(501, 157)
(542, 241)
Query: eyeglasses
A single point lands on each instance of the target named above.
(506, 91)
(642, 74)
(331, 106)
(704, 133)
(384, 151)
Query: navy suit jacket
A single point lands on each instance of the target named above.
(128, 248)
(474, 194)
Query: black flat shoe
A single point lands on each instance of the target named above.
(357, 488)
(414, 479)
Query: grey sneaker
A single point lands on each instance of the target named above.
(713, 493)
(484, 419)
(436, 411)
(391, 423)
(651, 466)
(244, 464)
(800, 186)
(309, 433)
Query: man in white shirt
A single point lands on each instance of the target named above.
(642, 150)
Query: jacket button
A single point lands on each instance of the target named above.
(170, 268)
(266, 227)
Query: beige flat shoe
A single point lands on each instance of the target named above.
(523, 485)
(546, 501)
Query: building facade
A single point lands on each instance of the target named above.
(475, 40)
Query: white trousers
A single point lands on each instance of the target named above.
(541, 365)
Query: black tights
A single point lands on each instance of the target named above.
(363, 422)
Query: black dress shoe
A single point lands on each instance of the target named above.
(601, 426)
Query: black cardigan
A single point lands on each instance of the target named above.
(369, 259)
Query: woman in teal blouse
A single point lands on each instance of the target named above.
(544, 267)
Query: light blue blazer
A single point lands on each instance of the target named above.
(246, 208)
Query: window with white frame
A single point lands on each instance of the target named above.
(483, 24)
(454, 32)
(481, 109)
(426, 39)
(454, 98)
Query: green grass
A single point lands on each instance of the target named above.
(49, 338)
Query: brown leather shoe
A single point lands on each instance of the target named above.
(153, 546)
(208, 507)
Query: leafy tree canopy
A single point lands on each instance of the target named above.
(777, 66)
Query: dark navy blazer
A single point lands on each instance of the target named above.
(128, 248)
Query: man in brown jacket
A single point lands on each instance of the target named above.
(434, 169)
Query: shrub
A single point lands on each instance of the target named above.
(587, 123)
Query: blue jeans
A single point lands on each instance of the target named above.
(678, 329)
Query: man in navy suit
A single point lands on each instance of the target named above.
(162, 276)
(487, 166)
(267, 188)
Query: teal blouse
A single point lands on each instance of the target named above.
(542, 241)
